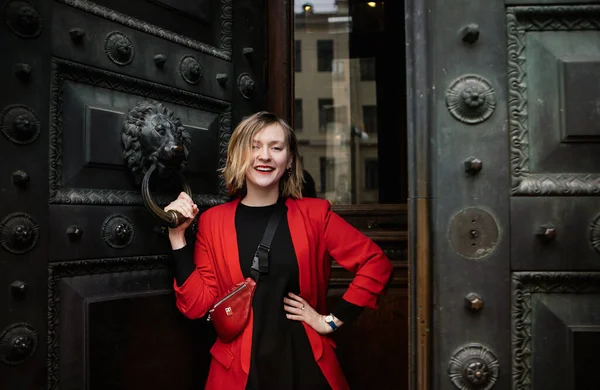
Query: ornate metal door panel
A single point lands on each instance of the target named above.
(553, 233)
(553, 55)
(515, 201)
(556, 330)
(89, 86)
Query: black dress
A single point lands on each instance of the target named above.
(281, 354)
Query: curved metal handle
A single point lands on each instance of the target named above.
(172, 218)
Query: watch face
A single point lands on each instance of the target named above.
(329, 318)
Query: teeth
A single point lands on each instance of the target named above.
(264, 169)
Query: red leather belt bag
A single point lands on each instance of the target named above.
(231, 312)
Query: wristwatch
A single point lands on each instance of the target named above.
(329, 320)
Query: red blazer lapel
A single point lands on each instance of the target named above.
(232, 258)
(308, 277)
(232, 255)
(301, 247)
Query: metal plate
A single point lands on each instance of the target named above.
(473, 233)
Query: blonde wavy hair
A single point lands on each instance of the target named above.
(240, 147)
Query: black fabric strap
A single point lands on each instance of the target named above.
(260, 263)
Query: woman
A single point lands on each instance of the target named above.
(285, 344)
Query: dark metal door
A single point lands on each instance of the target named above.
(86, 298)
(513, 113)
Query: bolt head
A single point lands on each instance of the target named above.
(473, 302)
(473, 165)
(470, 33)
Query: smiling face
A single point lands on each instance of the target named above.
(261, 149)
(268, 160)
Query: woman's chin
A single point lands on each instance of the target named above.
(264, 183)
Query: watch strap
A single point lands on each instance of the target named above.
(331, 323)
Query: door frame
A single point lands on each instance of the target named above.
(420, 170)
(280, 97)
(280, 64)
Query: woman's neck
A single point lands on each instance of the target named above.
(260, 196)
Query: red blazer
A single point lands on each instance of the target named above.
(317, 233)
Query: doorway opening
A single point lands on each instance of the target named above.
(349, 113)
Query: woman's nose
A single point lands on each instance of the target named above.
(263, 154)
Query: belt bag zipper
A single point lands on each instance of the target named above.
(237, 290)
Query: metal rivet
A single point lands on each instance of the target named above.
(20, 178)
(546, 232)
(74, 232)
(248, 52)
(222, 78)
(159, 60)
(22, 71)
(77, 35)
(473, 165)
(473, 302)
(470, 33)
(18, 288)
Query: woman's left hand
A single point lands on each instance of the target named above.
(298, 309)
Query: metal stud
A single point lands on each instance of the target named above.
(473, 165)
(470, 33)
(473, 302)
(74, 232)
(20, 178)
(248, 52)
(546, 232)
(22, 71)
(18, 288)
(222, 78)
(77, 35)
(159, 60)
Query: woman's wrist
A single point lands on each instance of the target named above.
(177, 240)
(328, 318)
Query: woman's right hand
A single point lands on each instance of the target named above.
(186, 207)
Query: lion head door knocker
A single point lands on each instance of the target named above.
(155, 142)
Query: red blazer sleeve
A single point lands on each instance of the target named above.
(357, 253)
(198, 294)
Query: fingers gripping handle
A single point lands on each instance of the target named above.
(172, 218)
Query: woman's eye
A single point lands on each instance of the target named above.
(254, 147)
(277, 148)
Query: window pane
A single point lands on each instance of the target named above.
(325, 55)
(298, 115)
(371, 174)
(370, 119)
(349, 126)
(326, 115)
